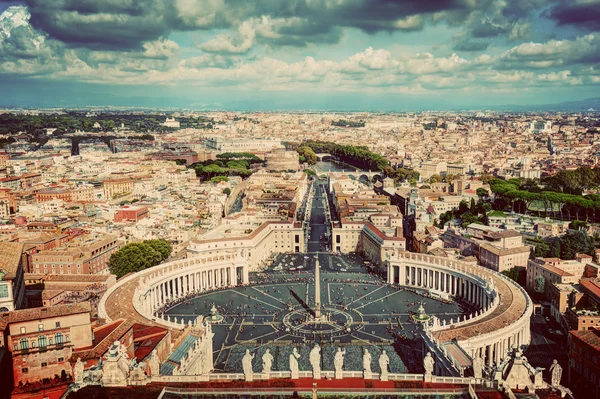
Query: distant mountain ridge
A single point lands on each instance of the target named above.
(567, 106)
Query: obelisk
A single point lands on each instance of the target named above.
(317, 290)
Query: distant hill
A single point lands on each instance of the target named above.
(567, 106)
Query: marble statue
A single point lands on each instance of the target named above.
(478, 367)
(247, 365)
(115, 367)
(267, 362)
(338, 363)
(294, 356)
(154, 363)
(78, 371)
(315, 361)
(555, 373)
(428, 363)
(384, 362)
(366, 364)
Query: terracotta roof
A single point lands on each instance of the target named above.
(18, 316)
(504, 251)
(101, 344)
(503, 234)
(590, 337)
(10, 256)
(592, 287)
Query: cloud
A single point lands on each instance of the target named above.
(31, 45)
(127, 24)
(237, 43)
(210, 61)
(584, 49)
(579, 13)
(471, 45)
(104, 24)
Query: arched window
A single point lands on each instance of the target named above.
(59, 338)
(24, 344)
(42, 341)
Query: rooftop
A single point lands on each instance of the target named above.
(19, 316)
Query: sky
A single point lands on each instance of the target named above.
(298, 54)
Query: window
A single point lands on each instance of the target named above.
(44, 364)
(24, 370)
(23, 330)
(40, 327)
(3, 290)
(23, 343)
(42, 341)
(59, 338)
(61, 359)
(58, 324)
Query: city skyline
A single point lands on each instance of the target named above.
(347, 55)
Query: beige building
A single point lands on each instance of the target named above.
(12, 270)
(117, 186)
(83, 193)
(552, 271)
(551, 228)
(41, 340)
(282, 160)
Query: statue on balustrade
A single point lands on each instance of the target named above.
(247, 365)
(294, 356)
(338, 362)
(366, 364)
(384, 362)
(315, 361)
(428, 364)
(267, 362)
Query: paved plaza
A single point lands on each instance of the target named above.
(275, 309)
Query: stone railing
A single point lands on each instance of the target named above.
(324, 374)
(466, 319)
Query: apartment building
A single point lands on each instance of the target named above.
(41, 340)
(542, 273)
(79, 257)
(584, 363)
(13, 263)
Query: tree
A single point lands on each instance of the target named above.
(218, 179)
(486, 178)
(554, 251)
(435, 178)
(227, 191)
(540, 284)
(138, 256)
(161, 246)
(512, 273)
(575, 242)
(482, 193)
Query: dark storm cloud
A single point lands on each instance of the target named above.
(471, 45)
(487, 29)
(584, 15)
(105, 24)
(126, 24)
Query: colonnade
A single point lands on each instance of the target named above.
(173, 287)
(440, 280)
(479, 286)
